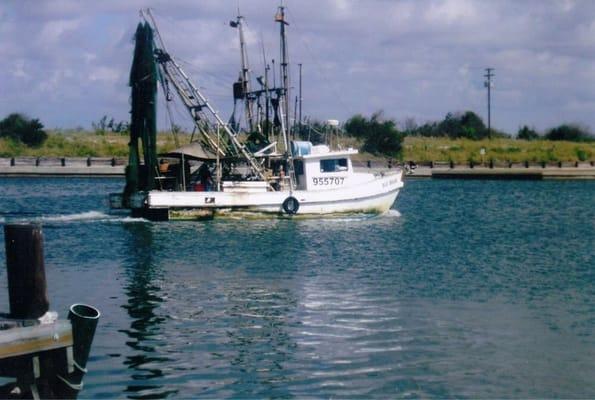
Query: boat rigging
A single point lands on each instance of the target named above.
(302, 179)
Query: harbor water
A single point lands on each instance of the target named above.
(467, 289)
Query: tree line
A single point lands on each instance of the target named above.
(378, 134)
(384, 137)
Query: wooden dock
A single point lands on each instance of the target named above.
(47, 357)
(20, 341)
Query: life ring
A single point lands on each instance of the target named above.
(291, 205)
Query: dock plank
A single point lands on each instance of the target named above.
(33, 339)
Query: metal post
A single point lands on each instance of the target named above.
(295, 113)
(218, 164)
(83, 319)
(300, 94)
(267, 102)
(184, 173)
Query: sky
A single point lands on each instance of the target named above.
(67, 62)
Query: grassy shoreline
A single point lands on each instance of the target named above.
(461, 151)
(418, 149)
(79, 144)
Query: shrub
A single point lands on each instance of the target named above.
(526, 133)
(570, 132)
(358, 125)
(380, 136)
(582, 155)
(105, 125)
(21, 128)
(454, 125)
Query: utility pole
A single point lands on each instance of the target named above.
(488, 84)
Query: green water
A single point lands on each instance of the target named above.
(476, 289)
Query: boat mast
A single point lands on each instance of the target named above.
(285, 127)
(300, 96)
(267, 102)
(267, 95)
(280, 17)
(245, 73)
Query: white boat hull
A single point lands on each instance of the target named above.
(374, 195)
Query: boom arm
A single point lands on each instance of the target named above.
(195, 102)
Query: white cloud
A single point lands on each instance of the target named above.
(52, 31)
(452, 12)
(18, 70)
(419, 58)
(104, 74)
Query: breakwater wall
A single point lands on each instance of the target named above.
(490, 170)
(114, 166)
(62, 166)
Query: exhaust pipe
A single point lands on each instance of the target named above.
(83, 319)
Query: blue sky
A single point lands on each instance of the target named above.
(67, 61)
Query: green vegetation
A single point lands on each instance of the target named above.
(526, 133)
(462, 151)
(106, 125)
(454, 125)
(379, 135)
(570, 132)
(376, 136)
(80, 144)
(19, 128)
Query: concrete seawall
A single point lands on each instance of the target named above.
(504, 173)
(518, 171)
(62, 166)
(114, 167)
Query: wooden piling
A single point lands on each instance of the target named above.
(47, 358)
(27, 288)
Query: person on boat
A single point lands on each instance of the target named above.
(204, 175)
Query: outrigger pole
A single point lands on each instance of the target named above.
(195, 102)
(285, 127)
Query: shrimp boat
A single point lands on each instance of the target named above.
(225, 171)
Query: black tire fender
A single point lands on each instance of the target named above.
(291, 205)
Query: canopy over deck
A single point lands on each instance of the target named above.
(194, 151)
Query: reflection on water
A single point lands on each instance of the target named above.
(144, 298)
(197, 324)
(257, 333)
(444, 299)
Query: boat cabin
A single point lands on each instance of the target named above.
(319, 168)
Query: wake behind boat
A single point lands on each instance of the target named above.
(224, 171)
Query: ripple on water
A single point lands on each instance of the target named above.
(444, 298)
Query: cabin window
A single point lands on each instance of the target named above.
(333, 165)
(299, 167)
